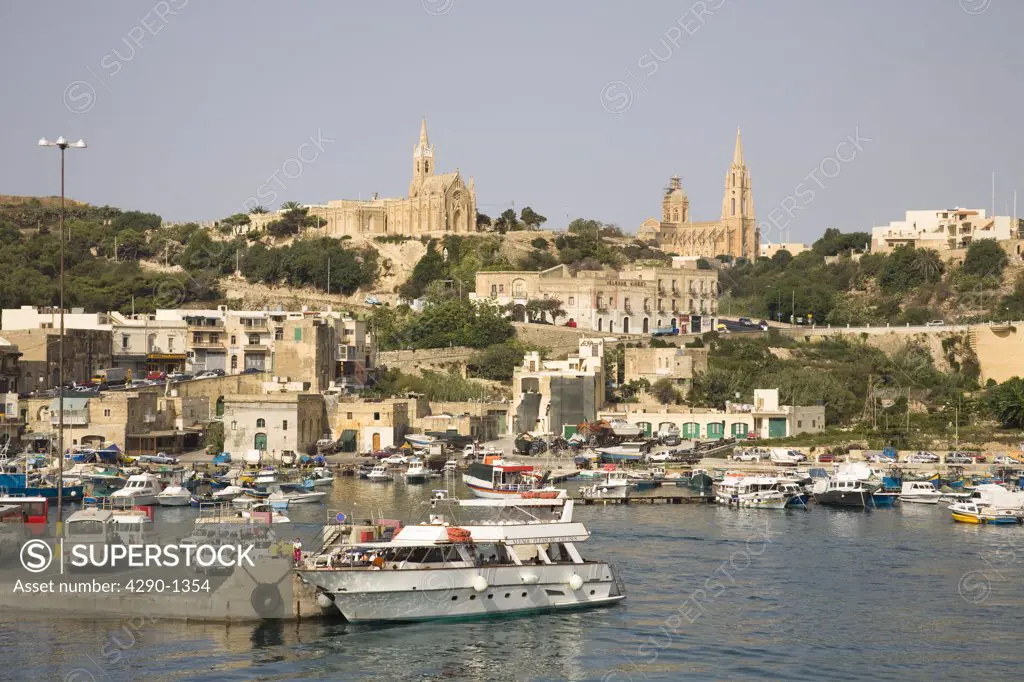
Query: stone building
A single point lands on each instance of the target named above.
(944, 230)
(735, 234)
(137, 422)
(365, 426)
(634, 300)
(678, 365)
(437, 204)
(85, 351)
(274, 423)
(10, 371)
(145, 344)
(306, 351)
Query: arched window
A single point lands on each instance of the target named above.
(734, 205)
(600, 324)
(261, 423)
(220, 406)
(284, 425)
(234, 361)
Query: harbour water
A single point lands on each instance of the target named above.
(713, 593)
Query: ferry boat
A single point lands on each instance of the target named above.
(494, 478)
(436, 570)
(970, 511)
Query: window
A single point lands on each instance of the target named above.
(261, 423)
(734, 205)
(234, 340)
(197, 337)
(284, 425)
(298, 333)
(234, 362)
(124, 342)
(214, 338)
(494, 290)
(348, 415)
(501, 288)
(799, 424)
(170, 344)
(254, 339)
(376, 416)
(572, 300)
(279, 333)
(106, 412)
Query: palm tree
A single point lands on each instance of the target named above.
(1009, 403)
(290, 206)
(258, 209)
(928, 263)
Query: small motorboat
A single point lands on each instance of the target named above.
(921, 492)
(969, 511)
(141, 489)
(174, 496)
(380, 474)
(320, 476)
(416, 473)
(286, 496)
(228, 493)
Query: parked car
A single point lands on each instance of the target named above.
(1004, 460)
(827, 457)
(746, 321)
(395, 459)
(157, 376)
(882, 458)
(763, 325)
(959, 458)
(753, 435)
(661, 457)
(722, 329)
(252, 370)
(746, 457)
(935, 323)
(206, 375)
(923, 458)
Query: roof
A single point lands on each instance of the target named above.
(75, 403)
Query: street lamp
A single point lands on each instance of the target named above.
(61, 144)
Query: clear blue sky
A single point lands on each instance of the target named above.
(206, 104)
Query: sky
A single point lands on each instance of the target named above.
(851, 112)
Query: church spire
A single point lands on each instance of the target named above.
(424, 142)
(737, 155)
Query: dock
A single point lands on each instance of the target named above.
(680, 497)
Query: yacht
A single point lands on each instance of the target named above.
(438, 570)
(174, 496)
(141, 489)
(760, 492)
(922, 492)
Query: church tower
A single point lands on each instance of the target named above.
(422, 161)
(738, 207)
(675, 206)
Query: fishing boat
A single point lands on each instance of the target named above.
(228, 493)
(419, 440)
(757, 492)
(34, 510)
(626, 452)
(255, 513)
(439, 570)
(174, 496)
(18, 484)
(969, 511)
(919, 492)
(494, 478)
(320, 476)
(843, 492)
(284, 496)
(416, 473)
(613, 484)
(141, 489)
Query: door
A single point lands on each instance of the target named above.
(255, 361)
(691, 430)
(376, 442)
(777, 427)
(568, 431)
(216, 361)
(716, 429)
(646, 426)
(260, 442)
(739, 430)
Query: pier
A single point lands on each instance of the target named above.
(680, 497)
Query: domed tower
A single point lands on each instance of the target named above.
(675, 207)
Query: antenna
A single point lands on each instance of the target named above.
(993, 193)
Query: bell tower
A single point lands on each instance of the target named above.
(738, 207)
(422, 160)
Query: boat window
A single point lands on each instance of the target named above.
(85, 528)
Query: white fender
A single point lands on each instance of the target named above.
(480, 583)
(530, 578)
(575, 582)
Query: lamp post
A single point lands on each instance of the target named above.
(61, 144)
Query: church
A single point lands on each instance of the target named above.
(437, 204)
(735, 234)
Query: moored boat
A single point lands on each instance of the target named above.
(969, 511)
(174, 496)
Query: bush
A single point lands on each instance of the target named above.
(539, 243)
(984, 258)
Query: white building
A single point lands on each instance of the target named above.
(32, 317)
(142, 343)
(941, 229)
(794, 248)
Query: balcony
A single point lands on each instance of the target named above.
(255, 348)
(254, 324)
(206, 343)
(198, 324)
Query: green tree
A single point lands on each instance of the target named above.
(781, 258)
(928, 263)
(833, 242)
(507, 221)
(256, 210)
(665, 392)
(531, 218)
(985, 257)
(483, 220)
(429, 268)
(497, 362)
(1006, 403)
(215, 437)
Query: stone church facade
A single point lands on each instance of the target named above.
(735, 234)
(437, 204)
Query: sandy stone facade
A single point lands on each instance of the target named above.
(437, 204)
(735, 234)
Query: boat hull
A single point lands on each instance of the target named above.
(144, 500)
(416, 478)
(363, 596)
(843, 499)
(183, 500)
(71, 492)
(921, 499)
(885, 500)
